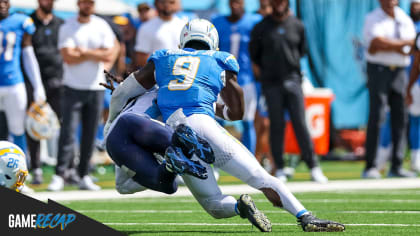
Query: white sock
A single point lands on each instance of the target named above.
(382, 157)
(415, 159)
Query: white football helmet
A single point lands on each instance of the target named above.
(41, 121)
(13, 170)
(200, 30)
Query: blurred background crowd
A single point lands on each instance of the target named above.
(330, 80)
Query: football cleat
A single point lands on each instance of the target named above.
(310, 223)
(190, 143)
(247, 209)
(178, 163)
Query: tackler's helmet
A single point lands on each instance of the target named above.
(13, 170)
(200, 30)
(41, 121)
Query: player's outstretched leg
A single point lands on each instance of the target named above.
(178, 163)
(310, 223)
(191, 143)
(248, 210)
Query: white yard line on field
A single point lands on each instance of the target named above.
(296, 187)
(176, 200)
(231, 224)
(266, 211)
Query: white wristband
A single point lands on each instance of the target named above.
(225, 113)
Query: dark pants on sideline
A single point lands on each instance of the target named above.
(78, 105)
(386, 86)
(282, 96)
(4, 131)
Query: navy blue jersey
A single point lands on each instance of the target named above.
(190, 79)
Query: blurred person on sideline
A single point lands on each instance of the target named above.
(413, 94)
(413, 102)
(184, 15)
(86, 43)
(16, 44)
(262, 123)
(117, 66)
(4, 132)
(146, 12)
(45, 41)
(389, 35)
(276, 47)
(265, 8)
(234, 33)
(161, 32)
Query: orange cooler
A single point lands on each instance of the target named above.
(317, 112)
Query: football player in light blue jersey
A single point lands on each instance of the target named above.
(15, 41)
(190, 80)
(234, 31)
(195, 80)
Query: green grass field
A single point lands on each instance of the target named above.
(395, 212)
(334, 170)
(375, 212)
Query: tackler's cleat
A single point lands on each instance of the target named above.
(178, 163)
(248, 210)
(310, 223)
(191, 143)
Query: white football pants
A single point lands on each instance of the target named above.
(13, 101)
(235, 159)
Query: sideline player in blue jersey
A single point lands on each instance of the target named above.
(190, 79)
(234, 33)
(15, 41)
(413, 102)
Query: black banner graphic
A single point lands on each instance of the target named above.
(23, 215)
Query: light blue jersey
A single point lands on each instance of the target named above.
(12, 30)
(234, 38)
(190, 79)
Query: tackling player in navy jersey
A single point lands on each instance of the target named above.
(190, 80)
(234, 33)
(15, 41)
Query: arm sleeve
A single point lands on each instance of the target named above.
(143, 41)
(129, 88)
(31, 66)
